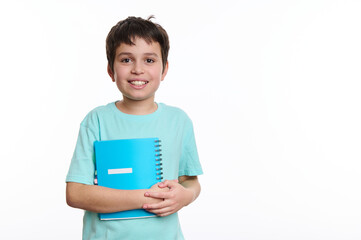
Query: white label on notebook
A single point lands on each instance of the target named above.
(120, 170)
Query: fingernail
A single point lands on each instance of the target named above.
(146, 194)
(145, 206)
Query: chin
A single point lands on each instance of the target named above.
(138, 99)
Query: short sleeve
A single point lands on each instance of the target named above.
(189, 162)
(82, 166)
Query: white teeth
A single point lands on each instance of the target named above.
(138, 83)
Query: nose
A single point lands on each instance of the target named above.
(137, 68)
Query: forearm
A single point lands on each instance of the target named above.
(101, 199)
(191, 183)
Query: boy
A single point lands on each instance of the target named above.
(137, 51)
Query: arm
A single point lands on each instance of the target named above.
(105, 200)
(180, 194)
(191, 183)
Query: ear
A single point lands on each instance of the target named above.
(165, 71)
(110, 72)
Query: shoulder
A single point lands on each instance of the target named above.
(174, 111)
(177, 117)
(92, 118)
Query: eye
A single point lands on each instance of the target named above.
(125, 60)
(149, 60)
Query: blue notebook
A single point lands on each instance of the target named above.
(128, 164)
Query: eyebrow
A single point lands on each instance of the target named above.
(146, 54)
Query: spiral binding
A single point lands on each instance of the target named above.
(158, 160)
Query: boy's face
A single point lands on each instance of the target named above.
(138, 70)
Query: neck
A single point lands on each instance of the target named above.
(137, 107)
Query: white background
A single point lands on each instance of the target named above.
(273, 88)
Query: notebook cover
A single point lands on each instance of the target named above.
(127, 164)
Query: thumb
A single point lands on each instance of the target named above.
(168, 183)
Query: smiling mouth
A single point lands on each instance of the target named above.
(138, 83)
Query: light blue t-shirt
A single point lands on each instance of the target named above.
(179, 154)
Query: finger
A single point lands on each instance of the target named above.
(156, 205)
(162, 185)
(168, 183)
(165, 214)
(160, 195)
(161, 211)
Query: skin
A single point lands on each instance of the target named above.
(181, 193)
(141, 62)
(99, 199)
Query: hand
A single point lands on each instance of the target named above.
(173, 200)
(155, 188)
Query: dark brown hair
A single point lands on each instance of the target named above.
(126, 30)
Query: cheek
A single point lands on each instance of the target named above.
(119, 74)
(157, 73)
